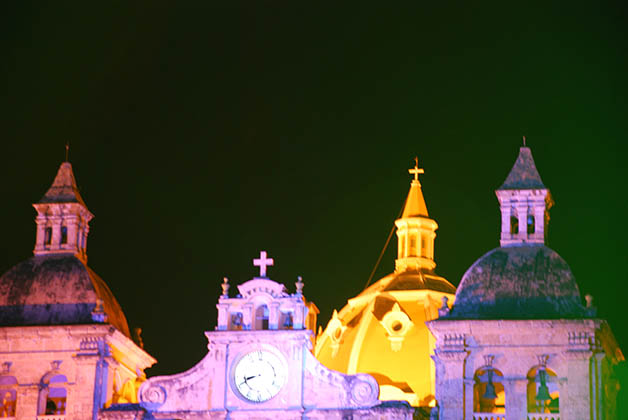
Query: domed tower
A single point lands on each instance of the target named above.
(518, 341)
(66, 344)
(382, 331)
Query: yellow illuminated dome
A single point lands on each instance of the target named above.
(382, 330)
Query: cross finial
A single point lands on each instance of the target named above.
(416, 170)
(262, 262)
(524, 141)
(67, 150)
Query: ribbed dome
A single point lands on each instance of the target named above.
(56, 290)
(518, 282)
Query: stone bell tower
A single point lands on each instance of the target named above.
(62, 218)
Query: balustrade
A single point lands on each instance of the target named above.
(543, 416)
(489, 416)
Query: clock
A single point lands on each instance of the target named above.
(259, 375)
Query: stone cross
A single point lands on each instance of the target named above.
(416, 170)
(262, 262)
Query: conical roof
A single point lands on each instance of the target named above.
(63, 188)
(523, 174)
(415, 203)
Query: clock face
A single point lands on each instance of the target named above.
(259, 375)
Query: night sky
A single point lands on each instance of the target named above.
(202, 133)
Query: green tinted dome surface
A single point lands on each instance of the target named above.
(518, 282)
(56, 290)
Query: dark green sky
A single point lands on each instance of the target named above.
(203, 132)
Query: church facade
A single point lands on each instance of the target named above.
(514, 341)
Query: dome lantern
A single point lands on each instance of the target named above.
(415, 230)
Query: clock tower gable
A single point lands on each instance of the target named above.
(260, 364)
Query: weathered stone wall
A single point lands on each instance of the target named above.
(89, 356)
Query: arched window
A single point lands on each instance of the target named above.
(48, 236)
(64, 234)
(8, 396)
(514, 225)
(412, 252)
(488, 391)
(236, 321)
(542, 390)
(286, 321)
(261, 317)
(531, 226)
(53, 395)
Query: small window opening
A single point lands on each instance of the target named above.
(64, 234)
(287, 322)
(531, 227)
(261, 318)
(423, 247)
(412, 251)
(514, 225)
(402, 246)
(55, 396)
(542, 391)
(8, 396)
(488, 391)
(337, 333)
(236, 321)
(47, 236)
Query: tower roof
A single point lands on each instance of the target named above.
(415, 203)
(63, 188)
(523, 174)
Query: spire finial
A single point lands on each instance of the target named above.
(416, 170)
(67, 150)
(524, 141)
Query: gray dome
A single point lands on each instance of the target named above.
(518, 282)
(56, 290)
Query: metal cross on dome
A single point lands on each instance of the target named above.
(416, 170)
(262, 262)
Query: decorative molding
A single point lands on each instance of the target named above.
(397, 324)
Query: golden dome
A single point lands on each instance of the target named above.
(382, 331)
